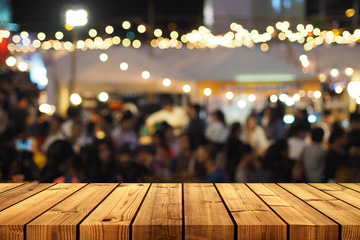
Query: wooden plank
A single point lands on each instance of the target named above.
(6, 186)
(13, 219)
(160, 215)
(304, 221)
(254, 219)
(341, 192)
(353, 186)
(60, 222)
(342, 213)
(20, 193)
(112, 218)
(205, 214)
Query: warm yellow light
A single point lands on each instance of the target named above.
(296, 97)
(241, 104)
(229, 95)
(322, 77)
(339, 89)
(273, 98)
(103, 97)
(145, 75)
(76, 17)
(157, 32)
(264, 47)
(10, 61)
(136, 44)
(303, 58)
(109, 29)
(309, 28)
(103, 57)
(270, 29)
(353, 89)
(75, 99)
(334, 72)
(126, 24)
(68, 27)
(92, 32)
(350, 12)
(126, 42)
(45, 108)
(59, 35)
(116, 40)
(317, 94)
(41, 36)
(252, 97)
(349, 71)
(141, 28)
(24, 34)
(186, 88)
(174, 34)
(16, 38)
(207, 91)
(124, 66)
(167, 82)
(23, 66)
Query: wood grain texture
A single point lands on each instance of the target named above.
(60, 222)
(20, 193)
(6, 186)
(112, 218)
(254, 219)
(205, 214)
(304, 221)
(160, 216)
(342, 213)
(13, 219)
(353, 186)
(341, 192)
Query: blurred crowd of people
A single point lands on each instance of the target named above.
(179, 145)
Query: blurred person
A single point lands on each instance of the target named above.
(349, 169)
(174, 115)
(104, 125)
(205, 159)
(313, 157)
(248, 166)
(276, 165)
(124, 132)
(187, 156)
(54, 133)
(59, 167)
(20, 114)
(129, 170)
(164, 156)
(301, 118)
(196, 127)
(102, 167)
(73, 117)
(216, 130)
(255, 136)
(233, 150)
(336, 153)
(275, 126)
(8, 156)
(4, 112)
(296, 136)
(326, 124)
(354, 121)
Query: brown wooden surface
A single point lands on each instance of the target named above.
(179, 211)
(304, 221)
(112, 218)
(205, 214)
(353, 186)
(341, 192)
(13, 219)
(255, 220)
(20, 193)
(6, 186)
(60, 222)
(160, 216)
(342, 213)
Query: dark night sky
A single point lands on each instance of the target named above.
(40, 14)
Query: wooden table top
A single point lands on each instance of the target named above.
(179, 211)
